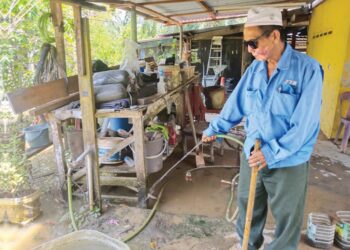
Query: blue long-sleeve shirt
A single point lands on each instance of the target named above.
(283, 111)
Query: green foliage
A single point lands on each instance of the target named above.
(14, 173)
(19, 42)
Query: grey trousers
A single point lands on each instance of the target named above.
(284, 190)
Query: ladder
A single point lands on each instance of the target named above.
(215, 55)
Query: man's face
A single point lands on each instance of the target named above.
(259, 44)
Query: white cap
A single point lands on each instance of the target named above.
(259, 16)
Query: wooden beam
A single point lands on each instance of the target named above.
(59, 151)
(220, 32)
(84, 4)
(78, 39)
(181, 42)
(247, 6)
(133, 24)
(216, 19)
(151, 12)
(207, 8)
(87, 102)
(166, 2)
(188, 14)
(140, 8)
(140, 161)
(57, 19)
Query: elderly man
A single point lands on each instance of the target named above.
(280, 96)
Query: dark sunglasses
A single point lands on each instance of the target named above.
(254, 42)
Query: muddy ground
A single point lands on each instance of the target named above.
(191, 215)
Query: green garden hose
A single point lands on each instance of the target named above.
(150, 216)
(70, 199)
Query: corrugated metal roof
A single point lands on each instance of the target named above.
(188, 11)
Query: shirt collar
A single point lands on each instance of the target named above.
(283, 63)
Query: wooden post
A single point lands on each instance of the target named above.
(181, 42)
(78, 39)
(87, 99)
(57, 19)
(139, 158)
(59, 152)
(133, 24)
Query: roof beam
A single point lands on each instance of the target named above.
(248, 6)
(206, 7)
(84, 4)
(151, 12)
(187, 14)
(166, 2)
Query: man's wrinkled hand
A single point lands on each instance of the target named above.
(208, 138)
(257, 159)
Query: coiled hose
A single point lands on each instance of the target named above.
(154, 209)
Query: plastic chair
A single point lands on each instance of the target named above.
(344, 122)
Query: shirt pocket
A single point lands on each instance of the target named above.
(250, 101)
(284, 104)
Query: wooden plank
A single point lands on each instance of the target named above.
(139, 159)
(73, 84)
(24, 99)
(54, 104)
(122, 181)
(117, 169)
(57, 20)
(120, 199)
(130, 200)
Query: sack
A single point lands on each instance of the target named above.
(111, 77)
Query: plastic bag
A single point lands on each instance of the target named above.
(130, 60)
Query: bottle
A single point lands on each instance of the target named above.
(161, 84)
(130, 162)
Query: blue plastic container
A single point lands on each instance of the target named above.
(37, 136)
(119, 123)
(113, 158)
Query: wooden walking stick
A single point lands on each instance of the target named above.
(251, 199)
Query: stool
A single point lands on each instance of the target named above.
(200, 126)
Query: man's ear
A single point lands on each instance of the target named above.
(276, 35)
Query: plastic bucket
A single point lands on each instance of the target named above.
(105, 145)
(154, 154)
(84, 239)
(37, 136)
(119, 123)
